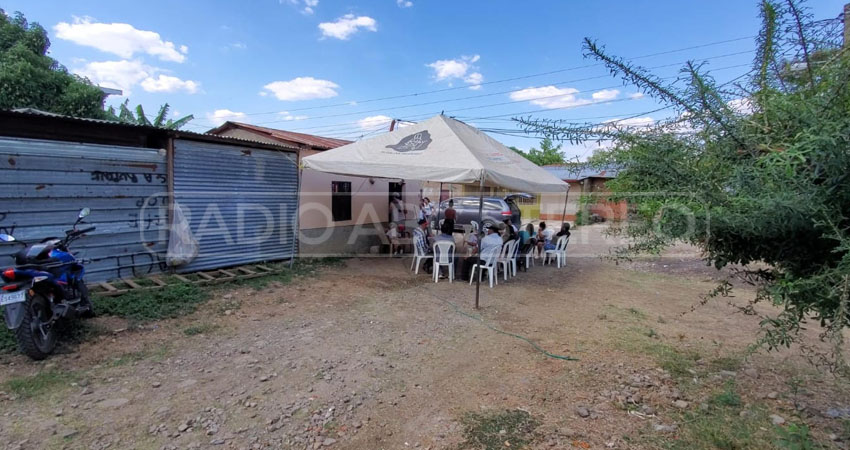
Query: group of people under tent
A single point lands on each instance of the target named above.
(494, 237)
(426, 212)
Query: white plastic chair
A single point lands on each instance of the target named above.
(489, 257)
(417, 258)
(514, 255)
(444, 255)
(559, 253)
(506, 256)
(529, 256)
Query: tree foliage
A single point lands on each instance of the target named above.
(161, 120)
(31, 79)
(756, 172)
(548, 153)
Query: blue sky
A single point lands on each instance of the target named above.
(316, 65)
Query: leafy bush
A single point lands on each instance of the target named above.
(754, 171)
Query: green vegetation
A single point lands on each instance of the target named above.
(548, 154)
(38, 384)
(126, 115)
(498, 430)
(31, 79)
(146, 305)
(753, 171)
(200, 328)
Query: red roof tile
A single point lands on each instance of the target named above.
(315, 142)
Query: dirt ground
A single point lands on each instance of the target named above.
(367, 355)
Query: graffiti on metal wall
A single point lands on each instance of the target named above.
(121, 177)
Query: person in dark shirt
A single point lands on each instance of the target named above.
(450, 213)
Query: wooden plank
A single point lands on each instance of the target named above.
(108, 287)
(157, 281)
(246, 271)
(267, 269)
(206, 276)
(132, 284)
(182, 278)
(227, 273)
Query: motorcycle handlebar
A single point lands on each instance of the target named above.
(86, 230)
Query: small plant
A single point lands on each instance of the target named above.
(498, 430)
(38, 384)
(795, 437)
(728, 397)
(201, 328)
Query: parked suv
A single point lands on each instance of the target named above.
(495, 210)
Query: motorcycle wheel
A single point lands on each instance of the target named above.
(33, 340)
(85, 301)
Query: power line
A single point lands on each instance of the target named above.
(334, 127)
(348, 131)
(504, 80)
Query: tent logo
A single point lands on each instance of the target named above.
(414, 143)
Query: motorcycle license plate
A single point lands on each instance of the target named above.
(14, 297)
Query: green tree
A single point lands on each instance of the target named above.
(764, 189)
(126, 115)
(31, 79)
(548, 154)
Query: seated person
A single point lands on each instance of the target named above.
(544, 239)
(491, 242)
(421, 244)
(444, 236)
(565, 230)
(510, 231)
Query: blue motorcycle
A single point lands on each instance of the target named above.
(45, 286)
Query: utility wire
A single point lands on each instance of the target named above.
(504, 80)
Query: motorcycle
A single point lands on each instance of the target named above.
(45, 286)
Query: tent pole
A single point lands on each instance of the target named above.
(566, 195)
(480, 225)
(439, 195)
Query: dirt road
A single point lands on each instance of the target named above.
(368, 356)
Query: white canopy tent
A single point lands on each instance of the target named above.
(440, 149)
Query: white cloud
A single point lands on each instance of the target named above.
(121, 39)
(166, 83)
(306, 6)
(373, 122)
(116, 74)
(302, 88)
(126, 74)
(347, 25)
(550, 97)
(404, 3)
(462, 68)
(741, 106)
(220, 116)
(636, 95)
(605, 94)
(632, 122)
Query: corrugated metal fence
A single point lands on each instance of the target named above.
(43, 185)
(241, 202)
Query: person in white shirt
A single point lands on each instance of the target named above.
(490, 243)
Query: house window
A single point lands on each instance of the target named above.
(341, 200)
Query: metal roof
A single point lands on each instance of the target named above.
(312, 141)
(45, 115)
(580, 172)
